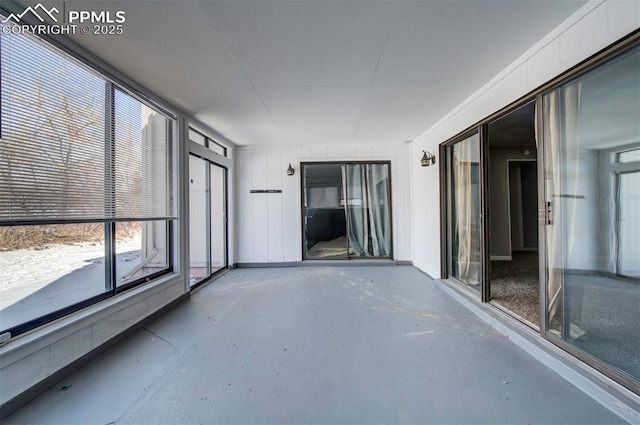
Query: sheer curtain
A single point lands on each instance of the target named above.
(561, 110)
(368, 209)
(466, 210)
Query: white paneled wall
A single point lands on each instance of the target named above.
(270, 225)
(592, 28)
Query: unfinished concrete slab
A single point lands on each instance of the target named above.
(317, 345)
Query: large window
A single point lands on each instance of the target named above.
(86, 186)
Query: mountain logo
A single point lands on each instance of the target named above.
(34, 11)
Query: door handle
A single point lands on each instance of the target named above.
(545, 213)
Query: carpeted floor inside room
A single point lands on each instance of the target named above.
(515, 285)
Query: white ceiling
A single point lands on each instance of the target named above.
(320, 71)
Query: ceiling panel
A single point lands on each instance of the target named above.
(240, 115)
(315, 114)
(304, 43)
(397, 113)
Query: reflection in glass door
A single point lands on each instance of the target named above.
(591, 221)
(207, 219)
(347, 211)
(464, 251)
(324, 212)
(628, 223)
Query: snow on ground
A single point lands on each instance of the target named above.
(37, 267)
(37, 282)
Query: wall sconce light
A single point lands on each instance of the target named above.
(290, 171)
(427, 159)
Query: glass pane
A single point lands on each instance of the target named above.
(629, 156)
(198, 220)
(369, 210)
(46, 268)
(218, 219)
(194, 136)
(52, 151)
(141, 250)
(325, 223)
(216, 147)
(464, 209)
(593, 287)
(143, 182)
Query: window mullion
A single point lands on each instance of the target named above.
(109, 187)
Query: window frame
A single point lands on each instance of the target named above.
(110, 86)
(208, 141)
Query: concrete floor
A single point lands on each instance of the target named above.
(317, 345)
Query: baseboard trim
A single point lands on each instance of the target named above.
(326, 263)
(266, 265)
(13, 405)
(501, 258)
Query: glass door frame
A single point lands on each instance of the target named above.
(601, 57)
(345, 185)
(446, 193)
(212, 159)
(544, 215)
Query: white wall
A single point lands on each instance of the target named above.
(269, 225)
(595, 26)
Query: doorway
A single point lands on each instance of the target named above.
(513, 225)
(490, 213)
(346, 211)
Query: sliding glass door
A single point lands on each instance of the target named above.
(207, 219)
(324, 213)
(591, 220)
(464, 226)
(346, 210)
(584, 134)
